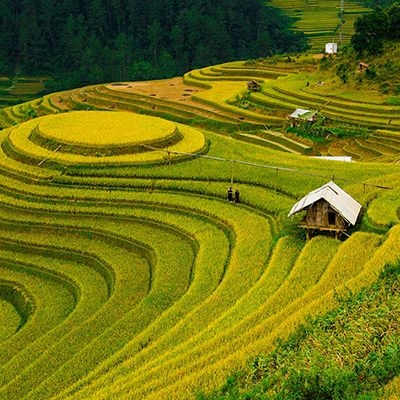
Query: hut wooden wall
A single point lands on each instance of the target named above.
(322, 215)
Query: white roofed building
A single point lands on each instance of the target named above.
(335, 158)
(331, 48)
(329, 208)
(301, 115)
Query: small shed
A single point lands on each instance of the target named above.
(253, 86)
(329, 208)
(331, 48)
(362, 66)
(301, 115)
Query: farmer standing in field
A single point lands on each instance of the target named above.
(237, 199)
(230, 194)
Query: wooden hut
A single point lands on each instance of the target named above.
(253, 86)
(300, 115)
(362, 66)
(329, 208)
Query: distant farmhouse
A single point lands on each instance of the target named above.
(253, 86)
(329, 208)
(331, 48)
(362, 66)
(301, 115)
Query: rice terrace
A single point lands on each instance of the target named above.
(126, 274)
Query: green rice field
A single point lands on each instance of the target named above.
(20, 89)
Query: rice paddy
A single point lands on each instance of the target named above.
(97, 129)
(20, 89)
(216, 98)
(320, 19)
(124, 271)
(99, 137)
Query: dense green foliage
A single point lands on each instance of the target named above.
(98, 41)
(350, 353)
(373, 29)
(374, 3)
(382, 73)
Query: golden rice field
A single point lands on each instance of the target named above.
(125, 273)
(99, 137)
(97, 128)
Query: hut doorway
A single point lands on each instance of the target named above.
(331, 218)
(329, 208)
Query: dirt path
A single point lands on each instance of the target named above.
(173, 89)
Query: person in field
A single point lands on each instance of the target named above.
(230, 194)
(237, 198)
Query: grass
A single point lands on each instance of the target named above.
(120, 302)
(166, 339)
(20, 89)
(216, 98)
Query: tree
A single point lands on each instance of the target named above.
(79, 41)
(154, 39)
(97, 20)
(394, 21)
(141, 71)
(166, 66)
(370, 30)
(8, 35)
(122, 54)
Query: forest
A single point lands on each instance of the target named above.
(372, 30)
(94, 41)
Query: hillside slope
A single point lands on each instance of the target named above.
(350, 353)
(360, 120)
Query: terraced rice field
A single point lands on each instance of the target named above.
(320, 19)
(99, 137)
(137, 279)
(211, 98)
(286, 87)
(20, 89)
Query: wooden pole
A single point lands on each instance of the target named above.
(341, 21)
(46, 158)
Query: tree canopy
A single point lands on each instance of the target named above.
(372, 29)
(107, 40)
